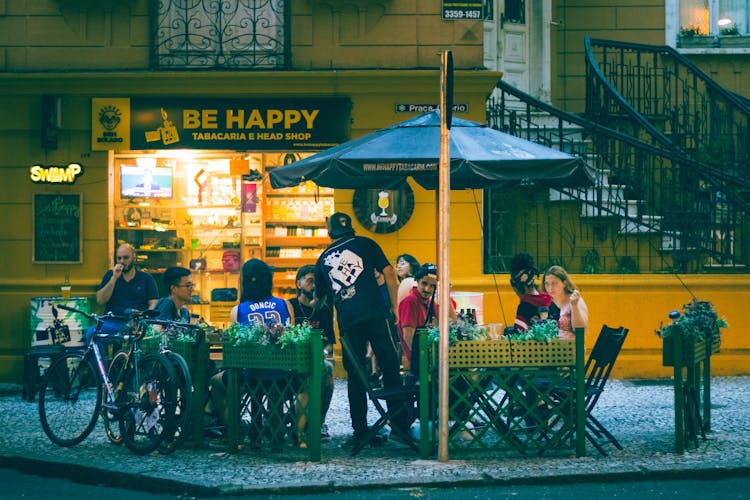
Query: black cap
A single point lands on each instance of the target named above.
(340, 225)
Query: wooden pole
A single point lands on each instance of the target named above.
(446, 67)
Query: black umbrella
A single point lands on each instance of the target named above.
(480, 157)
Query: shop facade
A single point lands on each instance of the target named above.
(182, 176)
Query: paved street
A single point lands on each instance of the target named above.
(639, 414)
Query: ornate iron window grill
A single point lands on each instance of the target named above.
(220, 34)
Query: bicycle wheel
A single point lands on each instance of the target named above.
(70, 399)
(112, 410)
(183, 410)
(149, 416)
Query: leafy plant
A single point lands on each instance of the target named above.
(690, 31)
(239, 335)
(543, 331)
(729, 30)
(698, 319)
(295, 334)
(457, 330)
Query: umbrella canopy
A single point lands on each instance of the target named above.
(480, 157)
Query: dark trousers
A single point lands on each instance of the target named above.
(378, 333)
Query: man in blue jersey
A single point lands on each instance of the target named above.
(344, 277)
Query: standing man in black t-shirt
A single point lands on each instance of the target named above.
(309, 311)
(344, 275)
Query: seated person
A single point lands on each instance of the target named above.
(419, 309)
(308, 310)
(257, 306)
(173, 307)
(533, 305)
(123, 288)
(568, 307)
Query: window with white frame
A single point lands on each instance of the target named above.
(714, 17)
(220, 34)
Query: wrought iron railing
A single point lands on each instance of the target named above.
(230, 34)
(693, 112)
(648, 212)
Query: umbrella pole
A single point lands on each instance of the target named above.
(446, 77)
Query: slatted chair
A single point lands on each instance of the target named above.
(409, 394)
(598, 367)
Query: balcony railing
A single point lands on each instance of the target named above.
(230, 34)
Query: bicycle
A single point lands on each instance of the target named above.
(185, 389)
(137, 391)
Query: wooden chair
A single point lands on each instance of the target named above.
(409, 394)
(597, 369)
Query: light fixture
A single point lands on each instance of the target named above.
(724, 21)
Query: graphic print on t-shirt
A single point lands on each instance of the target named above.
(345, 268)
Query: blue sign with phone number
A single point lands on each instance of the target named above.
(462, 10)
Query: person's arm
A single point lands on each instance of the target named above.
(152, 291)
(408, 319)
(579, 317)
(391, 282)
(105, 291)
(233, 314)
(290, 309)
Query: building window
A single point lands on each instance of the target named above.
(699, 24)
(228, 34)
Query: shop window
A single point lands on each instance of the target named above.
(236, 34)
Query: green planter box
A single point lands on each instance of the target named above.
(292, 357)
(693, 350)
(193, 354)
(490, 353)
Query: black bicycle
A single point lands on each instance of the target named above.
(194, 334)
(138, 391)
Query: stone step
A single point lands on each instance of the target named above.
(647, 224)
(622, 208)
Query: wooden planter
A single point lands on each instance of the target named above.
(693, 350)
(491, 353)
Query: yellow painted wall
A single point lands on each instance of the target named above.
(54, 35)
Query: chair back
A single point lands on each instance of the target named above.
(601, 361)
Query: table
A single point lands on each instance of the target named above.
(505, 395)
(303, 365)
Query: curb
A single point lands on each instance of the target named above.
(152, 484)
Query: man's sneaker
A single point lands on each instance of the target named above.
(324, 431)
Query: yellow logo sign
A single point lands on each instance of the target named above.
(110, 124)
(54, 174)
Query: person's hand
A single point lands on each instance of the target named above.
(575, 297)
(117, 270)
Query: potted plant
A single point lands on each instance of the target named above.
(699, 326)
(730, 36)
(691, 36)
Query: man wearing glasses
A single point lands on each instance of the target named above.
(180, 285)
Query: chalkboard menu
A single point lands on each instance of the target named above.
(57, 229)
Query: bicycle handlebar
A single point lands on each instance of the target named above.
(130, 314)
(179, 325)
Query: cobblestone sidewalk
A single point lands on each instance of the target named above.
(639, 413)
